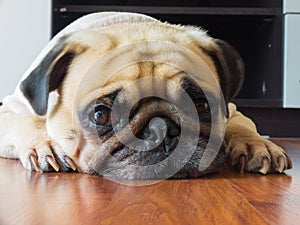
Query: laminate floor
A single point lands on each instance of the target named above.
(228, 198)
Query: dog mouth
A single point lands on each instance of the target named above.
(160, 139)
(129, 164)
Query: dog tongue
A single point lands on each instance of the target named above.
(193, 174)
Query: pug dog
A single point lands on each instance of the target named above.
(124, 95)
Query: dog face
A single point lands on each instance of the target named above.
(137, 100)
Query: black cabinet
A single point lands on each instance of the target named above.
(253, 27)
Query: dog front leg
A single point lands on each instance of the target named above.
(24, 137)
(248, 151)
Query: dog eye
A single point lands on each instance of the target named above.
(101, 116)
(202, 107)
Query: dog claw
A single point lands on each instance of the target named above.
(280, 164)
(35, 163)
(265, 167)
(52, 162)
(242, 163)
(289, 163)
(70, 163)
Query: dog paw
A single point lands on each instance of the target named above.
(46, 157)
(255, 154)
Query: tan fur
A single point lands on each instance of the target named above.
(59, 129)
(243, 141)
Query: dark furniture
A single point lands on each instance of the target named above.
(253, 27)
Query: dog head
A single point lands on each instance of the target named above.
(139, 100)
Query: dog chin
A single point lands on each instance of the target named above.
(157, 164)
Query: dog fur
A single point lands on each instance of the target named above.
(39, 125)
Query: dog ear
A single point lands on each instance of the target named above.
(230, 68)
(47, 76)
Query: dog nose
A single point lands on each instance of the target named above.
(172, 137)
(160, 132)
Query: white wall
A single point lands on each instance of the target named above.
(291, 6)
(291, 85)
(24, 31)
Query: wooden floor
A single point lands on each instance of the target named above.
(228, 198)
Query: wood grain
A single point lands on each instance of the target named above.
(228, 198)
